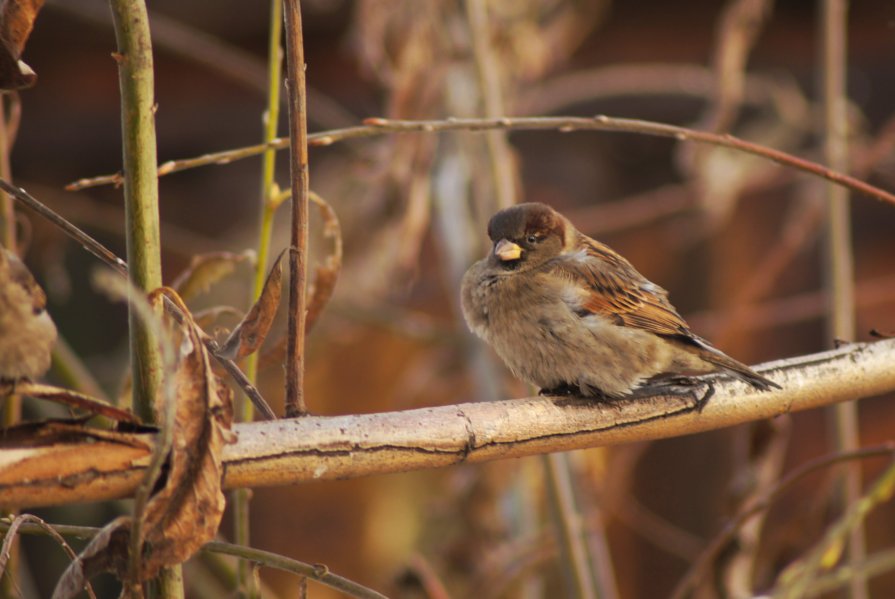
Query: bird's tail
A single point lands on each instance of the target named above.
(736, 368)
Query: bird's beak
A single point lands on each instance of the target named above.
(507, 250)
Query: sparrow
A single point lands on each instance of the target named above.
(568, 314)
(27, 333)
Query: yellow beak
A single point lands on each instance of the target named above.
(507, 250)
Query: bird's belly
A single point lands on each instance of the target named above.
(560, 348)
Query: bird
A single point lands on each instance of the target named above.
(571, 316)
(27, 333)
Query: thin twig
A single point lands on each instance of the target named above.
(379, 126)
(83, 239)
(298, 163)
(317, 572)
(701, 565)
(106, 256)
(878, 563)
(839, 261)
(27, 522)
(569, 530)
(795, 579)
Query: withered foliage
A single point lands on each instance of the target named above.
(186, 511)
(324, 282)
(327, 273)
(251, 332)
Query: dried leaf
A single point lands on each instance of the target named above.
(186, 512)
(16, 20)
(75, 400)
(249, 334)
(325, 276)
(107, 551)
(324, 283)
(207, 269)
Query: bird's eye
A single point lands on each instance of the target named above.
(532, 239)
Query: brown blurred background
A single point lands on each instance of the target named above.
(736, 241)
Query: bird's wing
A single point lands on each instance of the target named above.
(604, 283)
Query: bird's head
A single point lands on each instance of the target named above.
(527, 235)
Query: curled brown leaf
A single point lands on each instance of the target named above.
(249, 334)
(326, 274)
(186, 513)
(324, 282)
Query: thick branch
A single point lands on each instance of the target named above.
(314, 447)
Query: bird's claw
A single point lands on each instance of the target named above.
(688, 387)
(559, 391)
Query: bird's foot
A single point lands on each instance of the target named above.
(563, 390)
(574, 395)
(699, 390)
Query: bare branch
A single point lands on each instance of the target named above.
(298, 163)
(376, 126)
(317, 448)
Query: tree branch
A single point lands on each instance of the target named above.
(324, 448)
(377, 126)
(298, 169)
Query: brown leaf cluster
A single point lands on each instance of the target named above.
(186, 511)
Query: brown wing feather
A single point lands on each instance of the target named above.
(614, 289)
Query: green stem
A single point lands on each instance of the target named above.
(241, 498)
(170, 582)
(135, 77)
(268, 169)
(137, 88)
